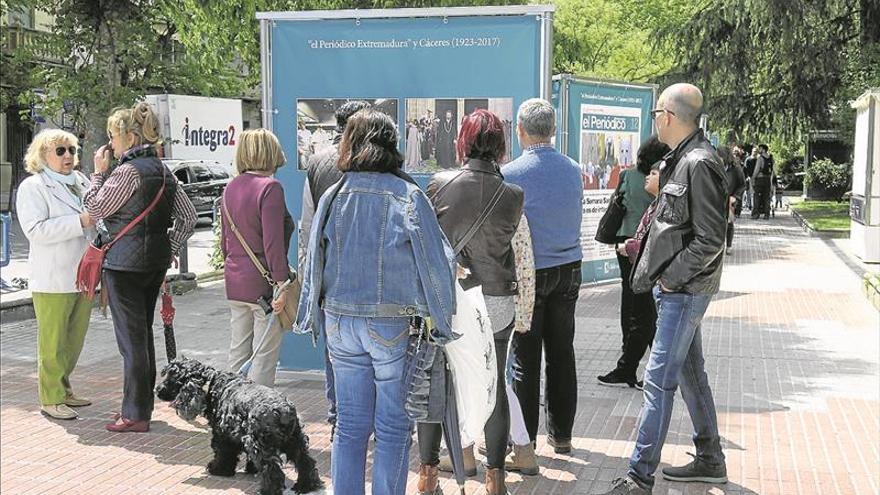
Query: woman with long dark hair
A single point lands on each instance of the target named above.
(377, 258)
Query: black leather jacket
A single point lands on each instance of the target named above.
(459, 197)
(685, 242)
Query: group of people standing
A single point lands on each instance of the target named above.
(379, 255)
(381, 250)
(61, 211)
(134, 202)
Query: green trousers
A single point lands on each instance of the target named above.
(62, 321)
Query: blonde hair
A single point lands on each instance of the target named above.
(44, 141)
(139, 120)
(258, 149)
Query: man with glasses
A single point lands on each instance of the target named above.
(680, 260)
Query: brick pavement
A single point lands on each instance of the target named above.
(792, 351)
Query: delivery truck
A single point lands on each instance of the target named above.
(198, 127)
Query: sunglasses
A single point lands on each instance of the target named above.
(657, 111)
(61, 149)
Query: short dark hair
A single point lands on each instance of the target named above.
(344, 112)
(726, 155)
(481, 137)
(650, 152)
(369, 143)
(763, 147)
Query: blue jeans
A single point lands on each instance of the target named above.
(329, 385)
(368, 356)
(676, 359)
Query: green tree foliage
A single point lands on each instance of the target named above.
(615, 39)
(777, 68)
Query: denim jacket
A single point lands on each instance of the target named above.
(377, 250)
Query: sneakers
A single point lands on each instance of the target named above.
(697, 470)
(523, 460)
(627, 486)
(470, 462)
(616, 379)
(559, 446)
(59, 411)
(74, 401)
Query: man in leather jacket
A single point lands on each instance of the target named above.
(680, 260)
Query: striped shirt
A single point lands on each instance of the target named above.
(109, 193)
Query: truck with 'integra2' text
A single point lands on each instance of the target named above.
(198, 127)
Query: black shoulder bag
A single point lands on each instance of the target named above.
(611, 221)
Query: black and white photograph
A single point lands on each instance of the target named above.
(432, 129)
(316, 122)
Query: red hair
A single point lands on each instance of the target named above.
(481, 137)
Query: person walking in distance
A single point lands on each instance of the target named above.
(680, 260)
(761, 182)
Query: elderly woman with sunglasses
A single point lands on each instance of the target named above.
(50, 210)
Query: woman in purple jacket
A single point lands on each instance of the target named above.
(254, 203)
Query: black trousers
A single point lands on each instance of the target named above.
(638, 320)
(761, 185)
(497, 428)
(132, 299)
(552, 332)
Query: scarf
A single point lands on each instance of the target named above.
(68, 183)
(68, 180)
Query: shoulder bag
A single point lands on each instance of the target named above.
(611, 221)
(287, 316)
(88, 273)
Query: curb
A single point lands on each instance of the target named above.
(823, 234)
(23, 309)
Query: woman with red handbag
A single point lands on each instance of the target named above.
(50, 211)
(145, 217)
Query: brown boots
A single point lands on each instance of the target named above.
(495, 482)
(429, 480)
(523, 460)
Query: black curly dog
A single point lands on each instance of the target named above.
(244, 416)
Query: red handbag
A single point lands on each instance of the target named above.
(88, 274)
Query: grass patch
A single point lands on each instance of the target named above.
(824, 215)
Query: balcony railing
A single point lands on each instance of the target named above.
(15, 37)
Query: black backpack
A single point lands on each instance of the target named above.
(768, 166)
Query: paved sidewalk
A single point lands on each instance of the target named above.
(792, 349)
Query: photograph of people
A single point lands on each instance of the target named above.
(316, 123)
(447, 130)
(431, 141)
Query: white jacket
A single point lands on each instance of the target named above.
(49, 218)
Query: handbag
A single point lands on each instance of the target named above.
(287, 315)
(426, 371)
(611, 221)
(88, 273)
(425, 375)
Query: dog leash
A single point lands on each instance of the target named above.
(245, 368)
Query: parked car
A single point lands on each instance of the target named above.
(202, 180)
